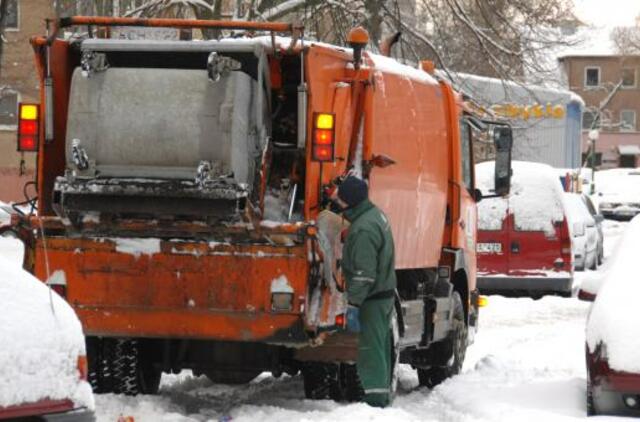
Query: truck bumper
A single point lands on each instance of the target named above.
(488, 284)
(180, 289)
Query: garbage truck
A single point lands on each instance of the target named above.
(182, 200)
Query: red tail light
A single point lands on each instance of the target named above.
(28, 127)
(565, 244)
(323, 137)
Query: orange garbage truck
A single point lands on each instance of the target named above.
(182, 207)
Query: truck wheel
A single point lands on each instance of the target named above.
(353, 391)
(100, 353)
(321, 381)
(452, 350)
(125, 365)
(231, 377)
(133, 370)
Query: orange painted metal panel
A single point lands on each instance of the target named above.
(404, 119)
(186, 289)
(411, 128)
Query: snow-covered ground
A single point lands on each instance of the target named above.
(527, 364)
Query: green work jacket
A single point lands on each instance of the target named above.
(368, 260)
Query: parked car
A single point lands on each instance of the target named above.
(584, 233)
(618, 193)
(613, 333)
(598, 218)
(524, 243)
(43, 360)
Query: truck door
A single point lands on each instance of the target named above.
(467, 218)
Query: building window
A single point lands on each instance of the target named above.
(628, 78)
(12, 20)
(627, 121)
(8, 109)
(592, 76)
(588, 118)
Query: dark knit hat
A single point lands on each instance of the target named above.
(353, 191)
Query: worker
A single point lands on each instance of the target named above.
(369, 268)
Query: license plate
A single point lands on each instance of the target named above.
(489, 248)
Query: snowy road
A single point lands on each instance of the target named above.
(527, 364)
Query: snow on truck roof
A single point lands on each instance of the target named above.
(614, 319)
(536, 198)
(40, 345)
(258, 45)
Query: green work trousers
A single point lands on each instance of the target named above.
(374, 351)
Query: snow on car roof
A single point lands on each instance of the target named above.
(624, 183)
(535, 200)
(576, 209)
(40, 359)
(614, 319)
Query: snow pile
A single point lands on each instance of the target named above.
(40, 347)
(137, 246)
(535, 199)
(614, 318)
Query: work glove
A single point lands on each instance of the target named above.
(353, 319)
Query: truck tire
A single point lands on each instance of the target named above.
(231, 377)
(321, 381)
(452, 350)
(100, 354)
(125, 367)
(120, 366)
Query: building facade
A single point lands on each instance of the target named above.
(610, 87)
(18, 83)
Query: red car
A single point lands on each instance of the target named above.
(42, 353)
(613, 333)
(524, 243)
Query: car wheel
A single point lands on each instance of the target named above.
(600, 258)
(591, 407)
(452, 350)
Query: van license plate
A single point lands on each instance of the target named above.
(489, 248)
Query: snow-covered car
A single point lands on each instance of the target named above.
(598, 218)
(613, 333)
(618, 193)
(584, 233)
(43, 365)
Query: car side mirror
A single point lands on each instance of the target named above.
(477, 195)
(503, 141)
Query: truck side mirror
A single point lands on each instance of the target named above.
(502, 140)
(477, 195)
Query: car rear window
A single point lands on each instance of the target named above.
(535, 199)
